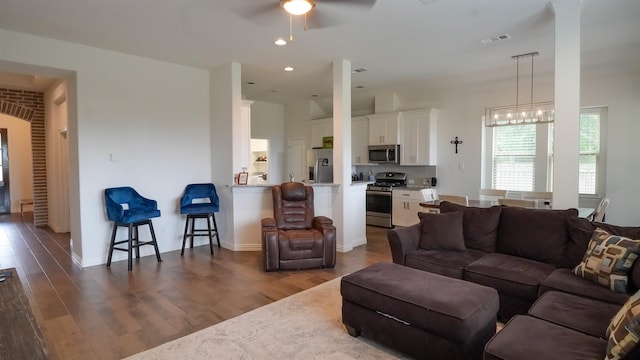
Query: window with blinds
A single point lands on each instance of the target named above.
(589, 151)
(514, 156)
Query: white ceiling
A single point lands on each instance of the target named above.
(409, 46)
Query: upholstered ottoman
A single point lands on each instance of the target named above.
(425, 315)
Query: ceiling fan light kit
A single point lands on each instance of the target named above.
(297, 7)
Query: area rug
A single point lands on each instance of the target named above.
(307, 325)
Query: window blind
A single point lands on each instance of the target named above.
(514, 152)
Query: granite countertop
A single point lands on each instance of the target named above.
(271, 185)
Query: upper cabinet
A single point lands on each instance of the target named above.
(359, 140)
(383, 129)
(418, 137)
(319, 129)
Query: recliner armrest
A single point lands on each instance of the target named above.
(270, 252)
(269, 224)
(403, 241)
(320, 222)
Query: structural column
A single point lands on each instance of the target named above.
(227, 132)
(567, 102)
(350, 199)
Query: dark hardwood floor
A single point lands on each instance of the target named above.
(102, 313)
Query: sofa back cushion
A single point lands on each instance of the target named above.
(536, 234)
(441, 231)
(480, 225)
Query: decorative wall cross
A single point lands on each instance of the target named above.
(456, 142)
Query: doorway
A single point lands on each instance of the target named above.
(5, 198)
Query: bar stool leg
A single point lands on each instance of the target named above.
(136, 239)
(213, 215)
(155, 242)
(192, 235)
(184, 236)
(129, 249)
(210, 234)
(113, 240)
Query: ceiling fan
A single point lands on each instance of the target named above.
(317, 14)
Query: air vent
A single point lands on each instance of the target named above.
(359, 70)
(500, 37)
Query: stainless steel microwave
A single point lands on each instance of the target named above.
(384, 154)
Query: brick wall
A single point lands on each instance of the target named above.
(29, 106)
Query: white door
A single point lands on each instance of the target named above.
(297, 158)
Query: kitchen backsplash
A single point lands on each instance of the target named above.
(415, 174)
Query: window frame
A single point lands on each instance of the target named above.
(544, 169)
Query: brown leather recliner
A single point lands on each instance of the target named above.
(296, 239)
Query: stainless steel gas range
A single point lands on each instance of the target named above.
(379, 197)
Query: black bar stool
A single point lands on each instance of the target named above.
(205, 209)
(138, 212)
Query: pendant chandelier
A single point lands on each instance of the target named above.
(526, 112)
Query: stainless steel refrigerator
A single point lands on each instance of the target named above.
(320, 164)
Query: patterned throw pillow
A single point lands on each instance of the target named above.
(624, 329)
(608, 260)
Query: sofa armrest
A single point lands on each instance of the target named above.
(403, 241)
(270, 252)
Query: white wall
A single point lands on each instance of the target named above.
(620, 93)
(132, 121)
(20, 168)
(267, 122)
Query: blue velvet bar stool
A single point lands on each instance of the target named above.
(127, 208)
(200, 201)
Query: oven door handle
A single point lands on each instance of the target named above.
(382, 193)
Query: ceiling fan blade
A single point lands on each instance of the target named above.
(352, 3)
(319, 20)
(264, 14)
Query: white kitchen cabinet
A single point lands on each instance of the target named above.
(383, 129)
(418, 137)
(405, 205)
(319, 129)
(359, 140)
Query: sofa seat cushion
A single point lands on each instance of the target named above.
(565, 280)
(480, 225)
(443, 262)
(526, 337)
(536, 234)
(515, 276)
(588, 316)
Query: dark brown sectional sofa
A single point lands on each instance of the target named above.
(523, 254)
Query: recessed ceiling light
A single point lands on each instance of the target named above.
(314, 95)
(288, 68)
(280, 42)
(250, 82)
(359, 87)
